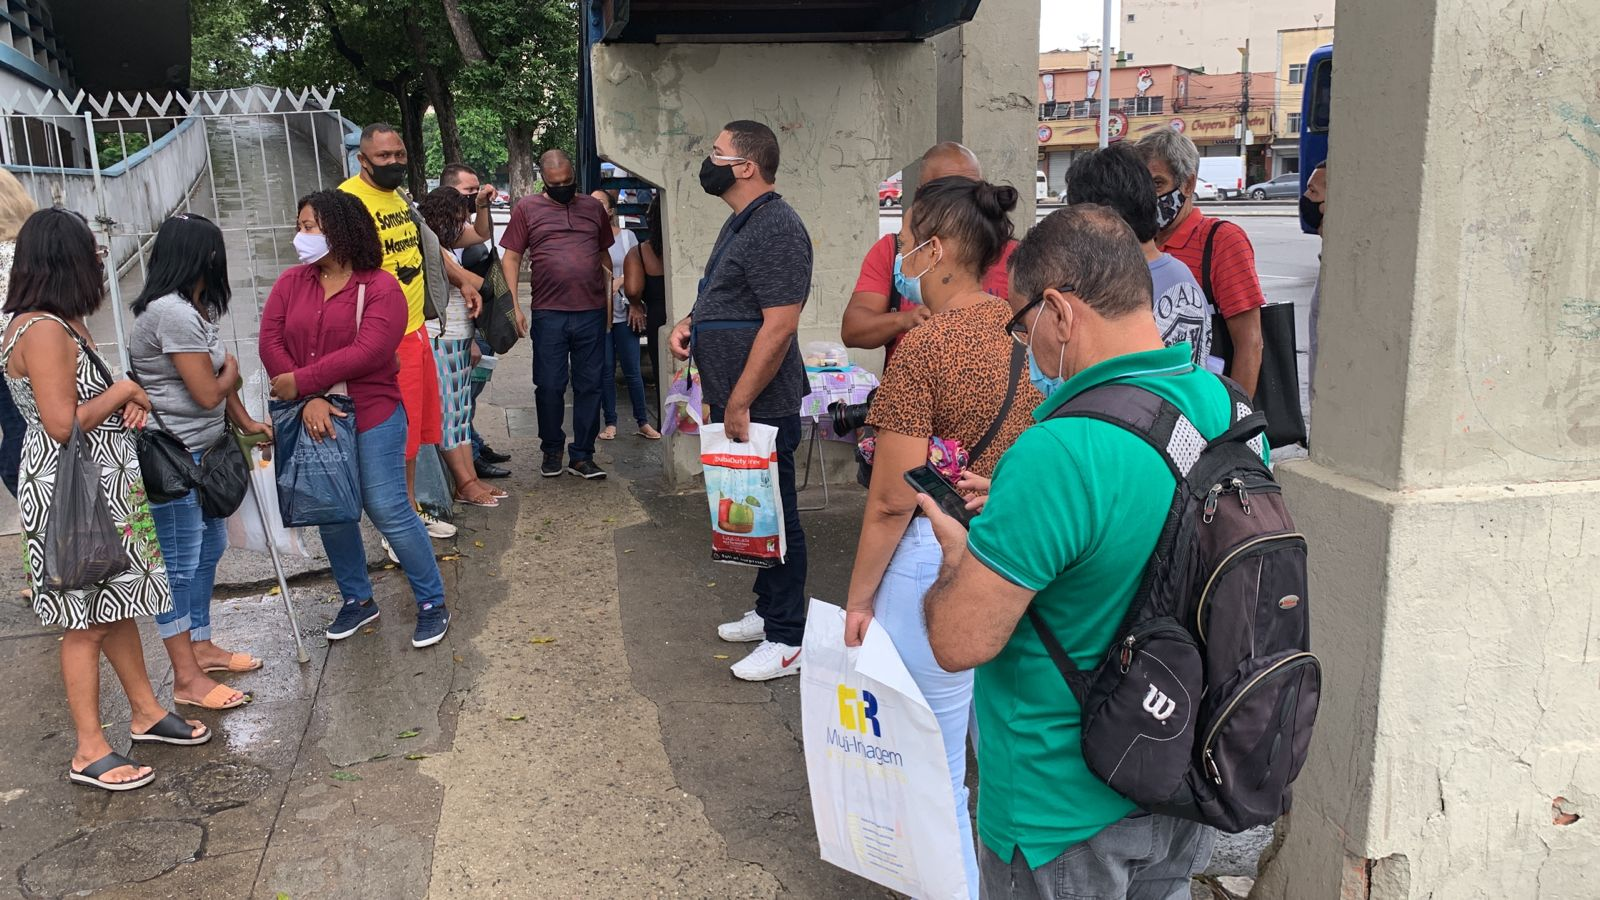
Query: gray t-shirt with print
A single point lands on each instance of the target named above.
(765, 264)
(171, 324)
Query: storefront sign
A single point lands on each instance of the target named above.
(1117, 126)
(1045, 134)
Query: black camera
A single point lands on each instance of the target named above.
(847, 417)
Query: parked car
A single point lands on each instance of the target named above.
(1227, 173)
(889, 193)
(1204, 190)
(1041, 186)
(1286, 186)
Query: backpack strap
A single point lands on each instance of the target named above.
(1145, 414)
(1205, 263)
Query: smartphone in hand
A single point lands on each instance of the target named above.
(925, 480)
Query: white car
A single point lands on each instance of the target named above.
(1204, 190)
(1041, 186)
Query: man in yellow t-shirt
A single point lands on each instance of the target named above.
(383, 171)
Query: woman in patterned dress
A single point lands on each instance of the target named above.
(52, 371)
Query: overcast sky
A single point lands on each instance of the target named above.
(1062, 21)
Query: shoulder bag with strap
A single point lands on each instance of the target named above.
(435, 284)
(1221, 340)
(697, 327)
(1203, 705)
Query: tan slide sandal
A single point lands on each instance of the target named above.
(216, 699)
(238, 662)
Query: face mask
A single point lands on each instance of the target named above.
(310, 247)
(1167, 207)
(714, 179)
(561, 193)
(390, 176)
(1311, 213)
(909, 287)
(1041, 382)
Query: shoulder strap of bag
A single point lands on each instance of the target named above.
(1019, 354)
(1205, 262)
(343, 387)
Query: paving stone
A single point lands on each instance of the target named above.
(119, 853)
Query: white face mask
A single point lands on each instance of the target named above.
(310, 247)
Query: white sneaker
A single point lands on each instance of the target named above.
(437, 527)
(390, 550)
(750, 628)
(768, 661)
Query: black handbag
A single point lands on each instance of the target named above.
(165, 464)
(1278, 384)
(169, 471)
(224, 476)
(82, 546)
(497, 319)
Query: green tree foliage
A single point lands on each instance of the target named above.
(483, 141)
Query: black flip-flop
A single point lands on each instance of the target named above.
(173, 730)
(90, 774)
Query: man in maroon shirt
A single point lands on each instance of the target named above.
(566, 236)
(869, 323)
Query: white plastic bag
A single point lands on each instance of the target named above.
(880, 786)
(244, 526)
(742, 488)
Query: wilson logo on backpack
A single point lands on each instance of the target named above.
(1220, 614)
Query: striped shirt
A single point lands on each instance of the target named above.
(1234, 287)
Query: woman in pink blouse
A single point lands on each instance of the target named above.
(314, 342)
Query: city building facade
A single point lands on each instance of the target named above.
(1208, 34)
(1294, 48)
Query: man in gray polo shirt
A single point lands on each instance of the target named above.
(743, 335)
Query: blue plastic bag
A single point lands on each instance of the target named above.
(318, 483)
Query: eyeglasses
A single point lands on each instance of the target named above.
(101, 252)
(729, 159)
(1019, 331)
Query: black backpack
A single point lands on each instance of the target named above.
(1203, 705)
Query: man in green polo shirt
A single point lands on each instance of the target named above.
(1074, 513)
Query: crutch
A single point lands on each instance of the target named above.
(247, 444)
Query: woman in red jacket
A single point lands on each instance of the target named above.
(314, 342)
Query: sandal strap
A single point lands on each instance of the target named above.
(171, 726)
(104, 764)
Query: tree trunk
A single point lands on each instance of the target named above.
(439, 96)
(461, 27)
(520, 160)
(412, 105)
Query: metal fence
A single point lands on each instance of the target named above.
(239, 157)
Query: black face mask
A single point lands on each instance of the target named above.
(1311, 213)
(561, 193)
(714, 179)
(390, 176)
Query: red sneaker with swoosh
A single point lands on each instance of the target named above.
(768, 661)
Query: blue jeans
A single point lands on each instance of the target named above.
(12, 428)
(381, 456)
(623, 347)
(898, 608)
(191, 544)
(568, 344)
(477, 388)
(781, 590)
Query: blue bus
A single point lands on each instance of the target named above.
(1314, 109)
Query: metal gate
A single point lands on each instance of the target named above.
(241, 158)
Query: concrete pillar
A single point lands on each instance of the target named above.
(1456, 463)
(846, 115)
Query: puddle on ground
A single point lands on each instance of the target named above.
(217, 786)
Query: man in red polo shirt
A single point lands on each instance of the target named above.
(869, 322)
(1231, 283)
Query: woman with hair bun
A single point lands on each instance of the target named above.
(955, 396)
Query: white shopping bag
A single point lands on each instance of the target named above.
(244, 526)
(742, 487)
(880, 786)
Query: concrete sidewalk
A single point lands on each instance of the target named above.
(574, 736)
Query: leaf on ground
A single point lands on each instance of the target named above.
(416, 756)
(281, 896)
(719, 656)
(408, 733)
(275, 591)
(541, 639)
(516, 718)
(548, 521)
(627, 551)
(711, 584)
(345, 776)
(451, 557)
(369, 631)
(609, 519)
(477, 544)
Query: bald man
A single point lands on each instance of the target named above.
(566, 236)
(880, 310)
